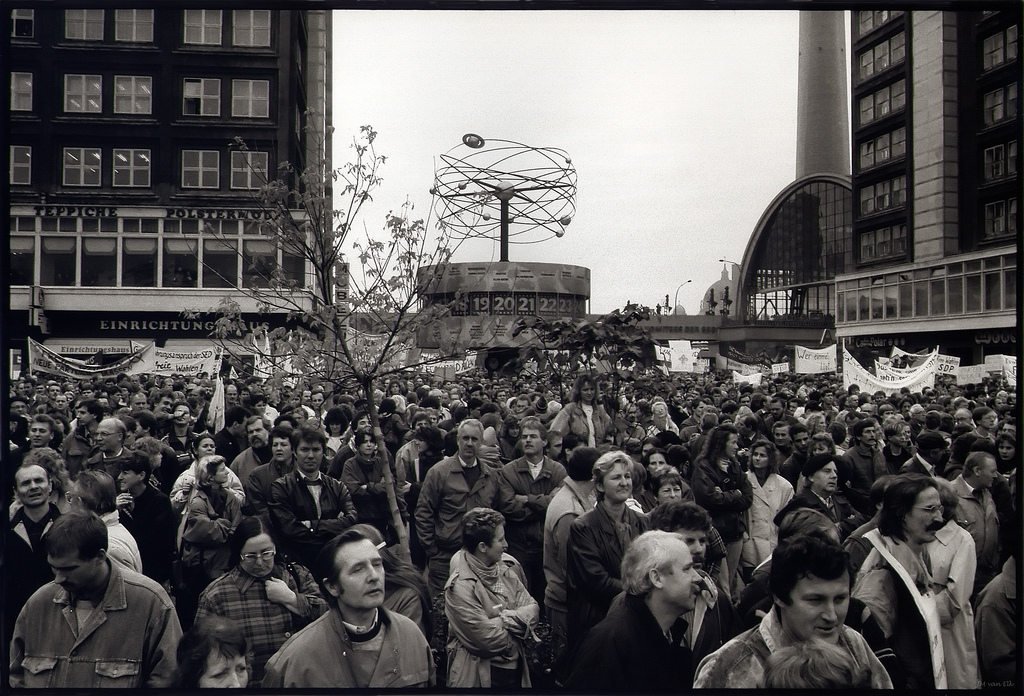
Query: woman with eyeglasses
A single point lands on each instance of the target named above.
(267, 597)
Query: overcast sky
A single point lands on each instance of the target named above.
(681, 125)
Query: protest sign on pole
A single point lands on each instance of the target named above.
(970, 374)
(810, 361)
(780, 368)
(947, 365)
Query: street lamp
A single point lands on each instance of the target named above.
(675, 302)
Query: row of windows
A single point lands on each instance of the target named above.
(1000, 161)
(886, 147)
(885, 195)
(1001, 219)
(883, 243)
(868, 20)
(887, 100)
(881, 56)
(999, 105)
(249, 28)
(150, 262)
(200, 169)
(133, 94)
(25, 224)
(954, 289)
(999, 48)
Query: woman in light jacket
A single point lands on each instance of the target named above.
(584, 415)
(489, 610)
(771, 493)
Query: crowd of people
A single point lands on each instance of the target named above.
(502, 532)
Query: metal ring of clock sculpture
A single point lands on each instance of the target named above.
(527, 194)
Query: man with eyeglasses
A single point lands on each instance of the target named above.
(896, 584)
(110, 435)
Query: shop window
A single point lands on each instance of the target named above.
(220, 263)
(259, 261)
(99, 262)
(293, 265)
(181, 263)
(972, 293)
(58, 261)
(138, 263)
(22, 262)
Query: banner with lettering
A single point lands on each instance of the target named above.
(149, 360)
(683, 356)
(1005, 365)
(891, 383)
(812, 361)
(970, 374)
(780, 368)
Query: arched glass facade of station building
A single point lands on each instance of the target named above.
(802, 242)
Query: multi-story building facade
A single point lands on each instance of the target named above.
(131, 194)
(936, 189)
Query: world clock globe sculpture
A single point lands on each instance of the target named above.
(525, 194)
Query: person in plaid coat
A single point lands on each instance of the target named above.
(269, 599)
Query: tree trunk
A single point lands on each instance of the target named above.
(389, 478)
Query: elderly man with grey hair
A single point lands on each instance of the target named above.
(640, 645)
(451, 488)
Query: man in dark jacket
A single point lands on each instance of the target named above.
(309, 508)
(527, 486)
(822, 495)
(146, 513)
(627, 652)
(25, 555)
(230, 440)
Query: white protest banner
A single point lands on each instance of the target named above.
(970, 374)
(161, 361)
(811, 361)
(754, 379)
(947, 365)
(682, 356)
(42, 359)
(780, 368)
(701, 366)
(1010, 368)
(921, 377)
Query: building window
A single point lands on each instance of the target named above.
(1001, 219)
(200, 169)
(83, 94)
(1000, 105)
(259, 261)
(23, 24)
(887, 100)
(83, 25)
(82, 166)
(21, 91)
(21, 165)
(220, 263)
(885, 147)
(133, 94)
(886, 243)
(99, 262)
(899, 143)
(249, 169)
(250, 28)
(58, 261)
(181, 263)
(22, 266)
(138, 263)
(203, 27)
(250, 98)
(202, 97)
(131, 168)
(881, 57)
(999, 48)
(133, 25)
(884, 195)
(868, 20)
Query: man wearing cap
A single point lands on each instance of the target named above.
(930, 456)
(822, 474)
